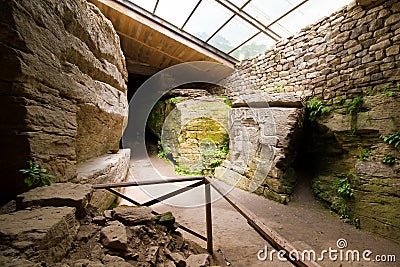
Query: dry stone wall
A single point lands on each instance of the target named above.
(349, 61)
(350, 51)
(63, 97)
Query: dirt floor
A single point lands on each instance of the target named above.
(304, 222)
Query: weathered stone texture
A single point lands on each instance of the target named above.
(114, 236)
(49, 231)
(109, 168)
(193, 132)
(58, 195)
(341, 52)
(340, 141)
(353, 52)
(262, 144)
(63, 96)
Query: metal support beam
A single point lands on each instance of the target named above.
(191, 14)
(149, 182)
(208, 216)
(172, 194)
(123, 196)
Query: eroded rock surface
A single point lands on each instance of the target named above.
(106, 169)
(63, 85)
(262, 144)
(53, 236)
(56, 195)
(41, 234)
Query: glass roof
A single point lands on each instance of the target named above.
(238, 28)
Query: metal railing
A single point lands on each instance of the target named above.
(264, 231)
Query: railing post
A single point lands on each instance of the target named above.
(208, 216)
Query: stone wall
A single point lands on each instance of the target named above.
(350, 61)
(63, 97)
(349, 51)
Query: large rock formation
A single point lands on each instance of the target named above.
(262, 132)
(63, 97)
(192, 127)
(347, 150)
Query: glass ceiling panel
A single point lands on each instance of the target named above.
(232, 34)
(210, 16)
(145, 4)
(166, 9)
(267, 11)
(253, 47)
(238, 3)
(307, 14)
(207, 18)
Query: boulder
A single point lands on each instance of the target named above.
(48, 230)
(114, 236)
(58, 195)
(200, 260)
(129, 215)
(105, 169)
(265, 100)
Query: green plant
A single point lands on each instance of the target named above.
(227, 101)
(354, 106)
(225, 146)
(160, 150)
(316, 109)
(174, 100)
(340, 206)
(389, 160)
(364, 154)
(186, 171)
(387, 89)
(392, 139)
(36, 175)
(343, 187)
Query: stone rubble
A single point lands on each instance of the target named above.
(123, 237)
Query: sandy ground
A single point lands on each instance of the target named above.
(304, 222)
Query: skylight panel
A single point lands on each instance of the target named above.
(145, 4)
(266, 11)
(175, 11)
(208, 18)
(307, 14)
(232, 34)
(253, 47)
(238, 3)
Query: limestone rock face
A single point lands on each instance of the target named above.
(262, 144)
(350, 147)
(193, 131)
(63, 97)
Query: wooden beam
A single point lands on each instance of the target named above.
(140, 68)
(160, 29)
